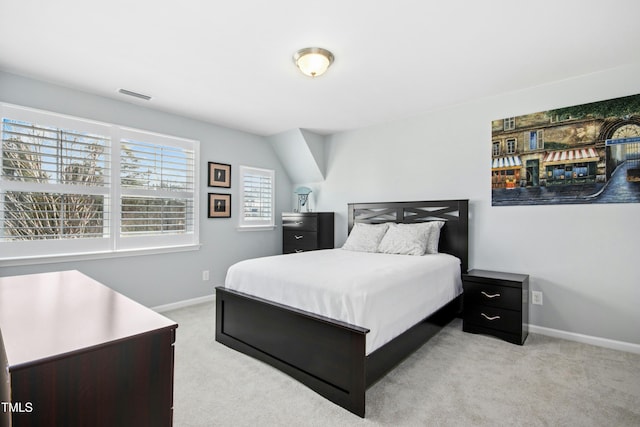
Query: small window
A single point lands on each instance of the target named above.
(511, 146)
(256, 197)
(510, 123)
(536, 140)
(496, 148)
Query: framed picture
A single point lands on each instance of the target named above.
(219, 206)
(587, 153)
(219, 175)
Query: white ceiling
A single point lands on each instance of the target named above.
(229, 62)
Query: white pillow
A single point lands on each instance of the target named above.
(365, 237)
(405, 239)
(434, 236)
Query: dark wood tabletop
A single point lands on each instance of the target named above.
(50, 315)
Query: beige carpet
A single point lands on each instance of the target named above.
(456, 379)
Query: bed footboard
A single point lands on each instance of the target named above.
(326, 355)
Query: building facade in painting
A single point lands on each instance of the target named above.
(535, 150)
(579, 146)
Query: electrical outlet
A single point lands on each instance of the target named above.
(536, 297)
(205, 275)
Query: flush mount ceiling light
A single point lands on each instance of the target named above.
(313, 61)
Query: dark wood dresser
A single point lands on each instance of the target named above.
(496, 303)
(75, 353)
(307, 231)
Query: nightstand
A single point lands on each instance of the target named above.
(496, 303)
(307, 231)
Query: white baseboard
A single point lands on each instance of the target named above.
(586, 339)
(184, 303)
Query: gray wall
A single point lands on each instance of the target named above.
(162, 279)
(582, 257)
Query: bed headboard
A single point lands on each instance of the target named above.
(454, 236)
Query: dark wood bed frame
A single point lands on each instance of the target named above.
(328, 355)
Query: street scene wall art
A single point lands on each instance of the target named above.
(587, 153)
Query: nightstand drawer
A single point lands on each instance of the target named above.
(296, 241)
(492, 295)
(300, 222)
(494, 318)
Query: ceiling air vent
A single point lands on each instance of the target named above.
(134, 94)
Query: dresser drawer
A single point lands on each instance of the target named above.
(492, 295)
(300, 222)
(306, 231)
(494, 318)
(296, 241)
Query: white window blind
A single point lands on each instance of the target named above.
(56, 180)
(257, 197)
(58, 195)
(157, 185)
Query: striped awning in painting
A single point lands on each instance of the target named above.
(509, 162)
(579, 155)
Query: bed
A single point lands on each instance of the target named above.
(331, 356)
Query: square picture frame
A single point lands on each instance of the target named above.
(219, 205)
(219, 175)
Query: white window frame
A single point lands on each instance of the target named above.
(509, 124)
(243, 222)
(60, 250)
(128, 243)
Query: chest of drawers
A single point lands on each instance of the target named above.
(73, 352)
(496, 303)
(307, 231)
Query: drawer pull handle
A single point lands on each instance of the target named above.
(298, 222)
(490, 317)
(298, 250)
(489, 296)
(298, 237)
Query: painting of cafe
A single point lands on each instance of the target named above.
(568, 155)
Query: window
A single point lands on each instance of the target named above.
(509, 123)
(73, 186)
(496, 148)
(535, 140)
(511, 146)
(257, 197)
(157, 190)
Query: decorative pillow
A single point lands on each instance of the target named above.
(434, 236)
(405, 239)
(365, 237)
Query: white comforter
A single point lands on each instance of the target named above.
(386, 294)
